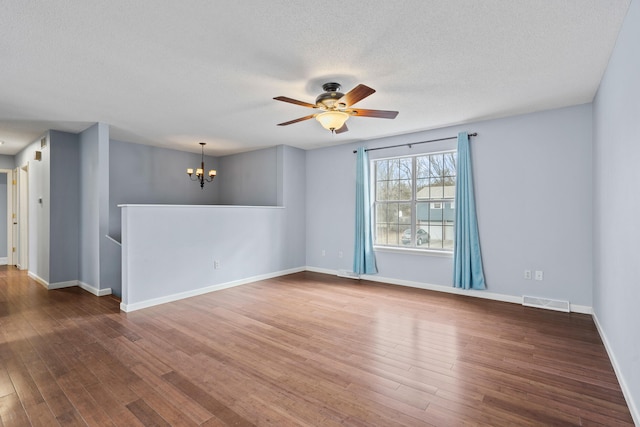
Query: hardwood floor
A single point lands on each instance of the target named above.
(301, 350)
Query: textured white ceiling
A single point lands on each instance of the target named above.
(171, 73)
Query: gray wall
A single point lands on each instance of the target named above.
(616, 158)
(533, 193)
(3, 215)
(65, 207)
(142, 174)
(249, 179)
(7, 162)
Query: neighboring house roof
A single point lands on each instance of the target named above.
(437, 192)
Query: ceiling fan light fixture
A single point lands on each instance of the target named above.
(332, 120)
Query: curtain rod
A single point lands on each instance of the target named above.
(414, 143)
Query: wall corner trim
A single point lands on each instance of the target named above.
(635, 412)
(95, 291)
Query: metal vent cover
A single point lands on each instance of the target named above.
(546, 303)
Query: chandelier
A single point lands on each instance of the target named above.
(200, 171)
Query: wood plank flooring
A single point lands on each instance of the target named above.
(301, 350)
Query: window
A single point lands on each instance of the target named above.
(414, 201)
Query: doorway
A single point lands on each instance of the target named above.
(6, 210)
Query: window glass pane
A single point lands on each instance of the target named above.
(393, 192)
(449, 164)
(404, 213)
(405, 168)
(393, 213)
(422, 213)
(381, 234)
(449, 187)
(447, 242)
(436, 189)
(422, 188)
(436, 163)
(404, 189)
(432, 196)
(393, 236)
(381, 190)
(394, 169)
(435, 233)
(382, 170)
(381, 213)
(422, 166)
(448, 213)
(435, 211)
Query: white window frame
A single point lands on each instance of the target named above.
(447, 252)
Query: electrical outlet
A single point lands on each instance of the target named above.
(339, 254)
(527, 274)
(216, 264)
(539, 275)
(323, 252)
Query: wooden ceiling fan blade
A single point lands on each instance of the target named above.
(343, 129)
(301, 119)
(380, 114)
(294, 101)
(356, 94)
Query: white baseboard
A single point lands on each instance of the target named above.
(321, 270)
(97, 292)
(69, 284)
(205, 290)
(635, 413)
(38, 279)
(4, 260)
(447, 289)
(61, 285)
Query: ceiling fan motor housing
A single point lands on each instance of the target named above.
(330, 96)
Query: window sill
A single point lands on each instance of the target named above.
(414, 251)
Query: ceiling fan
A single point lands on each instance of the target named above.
(335, 107)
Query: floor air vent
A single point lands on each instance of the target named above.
(348, 274)
(549, 304)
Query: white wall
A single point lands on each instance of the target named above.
(616, 123)
(533, 193)
(159, 266)
(94, 200)
(292, 188)
(39, 198)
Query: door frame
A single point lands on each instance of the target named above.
(21, 259)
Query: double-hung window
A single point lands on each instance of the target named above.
(415, 201)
